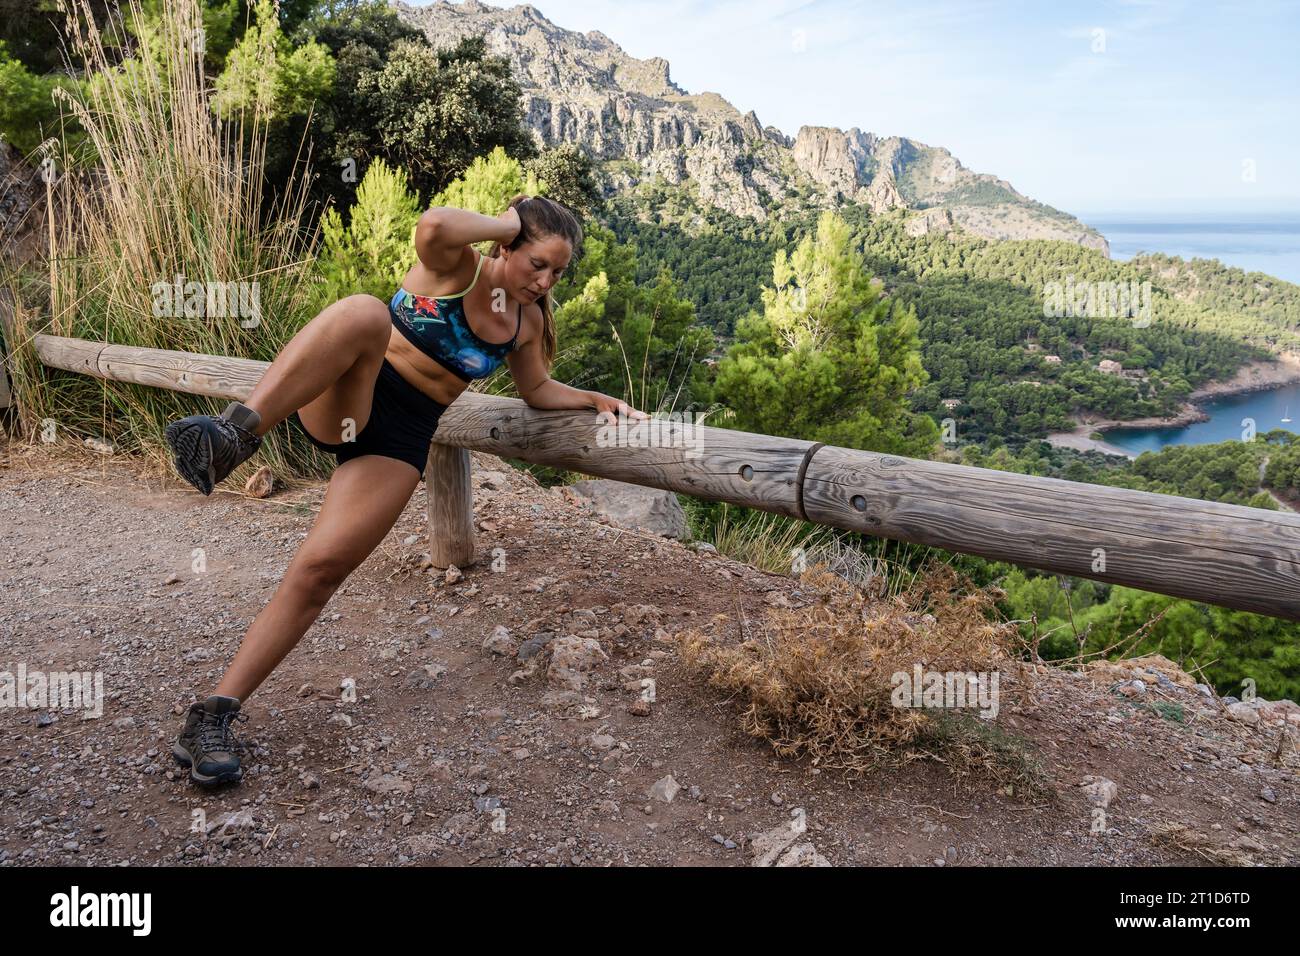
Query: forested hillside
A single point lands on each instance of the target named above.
(985, 340)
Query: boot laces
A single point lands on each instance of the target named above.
(241, 436)
(215, 735)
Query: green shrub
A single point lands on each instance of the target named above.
(373, 252)
(28, 113)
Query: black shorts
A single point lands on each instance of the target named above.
(401, 424)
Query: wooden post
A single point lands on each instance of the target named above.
(451, 506)
(6, 395)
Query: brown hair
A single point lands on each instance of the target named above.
(540, 218)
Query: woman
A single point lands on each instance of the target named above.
(369, 382)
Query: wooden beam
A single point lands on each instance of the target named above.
(1238, 557)
(6, 394)
(1245, 558)
(744, 468)
(6, 346)
(216, 375)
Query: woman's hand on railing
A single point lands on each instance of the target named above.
(608, 408)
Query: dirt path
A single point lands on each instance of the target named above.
(447, 761)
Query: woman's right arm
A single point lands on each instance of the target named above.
(443, 232)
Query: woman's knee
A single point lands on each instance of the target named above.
(316, 579)
(367, 317)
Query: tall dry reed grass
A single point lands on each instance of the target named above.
(165, 190)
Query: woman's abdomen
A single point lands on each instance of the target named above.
(421, 371)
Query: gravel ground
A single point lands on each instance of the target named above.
(453, 753)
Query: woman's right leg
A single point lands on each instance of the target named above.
(364, 499)
(327, 369)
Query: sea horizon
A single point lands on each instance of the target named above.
(1266, 241)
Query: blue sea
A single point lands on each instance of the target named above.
(1266, 242)
(1230, 418)
(1258, 242)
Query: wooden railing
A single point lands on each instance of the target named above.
(1244, 558)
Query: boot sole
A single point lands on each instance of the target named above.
(203, 780)
(192, 447)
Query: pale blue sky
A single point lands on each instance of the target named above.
(1088, 106)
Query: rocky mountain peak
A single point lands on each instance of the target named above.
(640, 125)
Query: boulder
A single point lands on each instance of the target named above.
(769, 845)
(1099, 791)
(802, 854)
(500, 642)
(571, 658)
(632, 506)
(664, 789)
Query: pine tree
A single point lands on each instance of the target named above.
(488, 185)
(639, 342)
(268, 75)
(830, 358)
(373, 252)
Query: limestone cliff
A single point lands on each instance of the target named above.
(631, 116)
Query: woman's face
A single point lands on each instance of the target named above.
(534, 267)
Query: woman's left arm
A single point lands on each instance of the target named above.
(539, 390)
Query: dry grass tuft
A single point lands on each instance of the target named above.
(1203, 845)
(818, 682)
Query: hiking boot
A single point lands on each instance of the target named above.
(208, 449)
(206, 744)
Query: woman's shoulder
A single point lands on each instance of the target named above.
(420, 279)
(530, 323)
